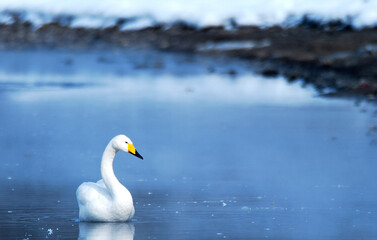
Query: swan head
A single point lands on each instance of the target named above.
(123, 143)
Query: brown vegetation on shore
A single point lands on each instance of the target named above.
(343, 60)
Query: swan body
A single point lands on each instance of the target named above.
(107, 200)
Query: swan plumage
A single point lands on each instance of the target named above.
(107, 200)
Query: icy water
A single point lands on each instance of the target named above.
(227, 154)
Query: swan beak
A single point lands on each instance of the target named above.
(132, 150)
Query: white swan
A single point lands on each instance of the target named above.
(107, 200)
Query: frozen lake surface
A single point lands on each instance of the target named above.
(227, 154)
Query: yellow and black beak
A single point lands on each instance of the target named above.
(132, 150)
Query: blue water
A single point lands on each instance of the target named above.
(231, 156)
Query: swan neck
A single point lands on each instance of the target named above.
(107, 171)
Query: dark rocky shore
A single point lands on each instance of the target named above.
(333, 56)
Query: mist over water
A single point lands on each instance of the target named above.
(225, 156)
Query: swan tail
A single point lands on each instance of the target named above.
(85, 193)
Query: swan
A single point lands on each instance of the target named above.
(107, 200)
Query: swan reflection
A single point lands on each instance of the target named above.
(103, 231)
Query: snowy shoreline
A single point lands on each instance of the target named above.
(132, 15)
(140, 22)
(328, 55)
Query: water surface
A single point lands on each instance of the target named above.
(226, 155)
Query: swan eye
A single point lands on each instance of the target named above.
(126, 142)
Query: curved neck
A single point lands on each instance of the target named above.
(107, 172)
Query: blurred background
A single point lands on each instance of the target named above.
(255, 119)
